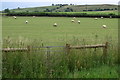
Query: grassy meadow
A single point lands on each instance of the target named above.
(42, 28)
(85, 63)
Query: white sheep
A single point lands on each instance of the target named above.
(101, 17)
(33, 16)
(26, 21)
(110, 16)
(96, 18)
(74, 17)
(72, 20)
(78, 21)
(55, 24)
(14, 17)
(104, 26)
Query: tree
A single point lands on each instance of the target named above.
(57, 8)
(69, 10)
(18, 7)
(115, 8)
(47, 10)
(52, 4)
(27, 11)
(7, 10)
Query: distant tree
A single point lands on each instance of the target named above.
(27, 11)
(69, 10)
(57, 8)
(90, 10)
(115, 8)
(36, 11)
(18, 7)
(84, 10)
(47, 10)
(7, 10)
(61, 5)
(112, 9)
(71, 4)
(52, 4)
(13, 11)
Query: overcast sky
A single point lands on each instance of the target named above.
(60, 1)
(11, 4)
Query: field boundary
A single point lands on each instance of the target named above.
(68, 47)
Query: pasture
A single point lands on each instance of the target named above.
(41, 28)
(84, 63)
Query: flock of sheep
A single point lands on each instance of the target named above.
(16, 18)
(73, 20)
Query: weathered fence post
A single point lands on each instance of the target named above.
(28, 48)
(67, 48)
(105, 51)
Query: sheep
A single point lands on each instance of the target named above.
(33, 16)
(104, 26)
(78, 21)
(110, 16)
(72, 20)
(55, 24)
(101, 17)
(14, 17)
(26, 21)
(96, 18)
(74, 17)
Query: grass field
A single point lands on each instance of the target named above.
(78, 64)
(42, 28)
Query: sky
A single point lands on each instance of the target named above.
(11, 4)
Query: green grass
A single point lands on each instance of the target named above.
(42, 28)
(85, 63)
(40, 9)
(104, 71)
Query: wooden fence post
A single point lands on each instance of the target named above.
(67, 48)
(105, 51)
(28, 48)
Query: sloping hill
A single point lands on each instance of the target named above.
(69, 8)
(35, 9)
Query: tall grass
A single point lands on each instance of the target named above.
(44, 63)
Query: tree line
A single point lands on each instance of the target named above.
(61, 14)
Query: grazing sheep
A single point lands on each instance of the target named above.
(104, 26)
(96, 18)
(74, 17)
(26, 21)
(78, 21)
(55, 24)
(110, 16)
(72, 20)
(33, 16)
(101, 17)
(14, 17)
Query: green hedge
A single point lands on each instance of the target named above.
(62, 14)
